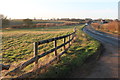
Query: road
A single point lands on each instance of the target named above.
(107, 66)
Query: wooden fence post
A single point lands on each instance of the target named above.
(74, 35)
(55, 45)
(74, 29)
(36, 54)
(69, 40)
(64, 40)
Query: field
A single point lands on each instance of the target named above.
(20, 23)
(18, 43)
(112, 27)
(18, 48)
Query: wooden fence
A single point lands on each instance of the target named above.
(37, 57)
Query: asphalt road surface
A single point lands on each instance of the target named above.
(107, 66)
(103, 37)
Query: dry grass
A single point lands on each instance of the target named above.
(95, 25)
(112, 27)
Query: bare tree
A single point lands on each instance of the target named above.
(4, 21)
(1, 16)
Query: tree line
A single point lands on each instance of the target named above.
(6, 21)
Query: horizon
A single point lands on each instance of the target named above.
(49, 9)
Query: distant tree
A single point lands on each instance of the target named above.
(5, 21)
(34, 18)
(28, 22)
(1, 16)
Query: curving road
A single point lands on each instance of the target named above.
(107, 66)
(103, 37)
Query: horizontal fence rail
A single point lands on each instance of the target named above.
(53, 39)
(37, 57)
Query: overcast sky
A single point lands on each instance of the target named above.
(59, 9)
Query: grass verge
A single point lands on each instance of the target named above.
(83, 47)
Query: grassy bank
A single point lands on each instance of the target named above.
(83, 47)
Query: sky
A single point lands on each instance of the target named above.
(47, 9)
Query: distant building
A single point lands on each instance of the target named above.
(101, 21)
(104, 21)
